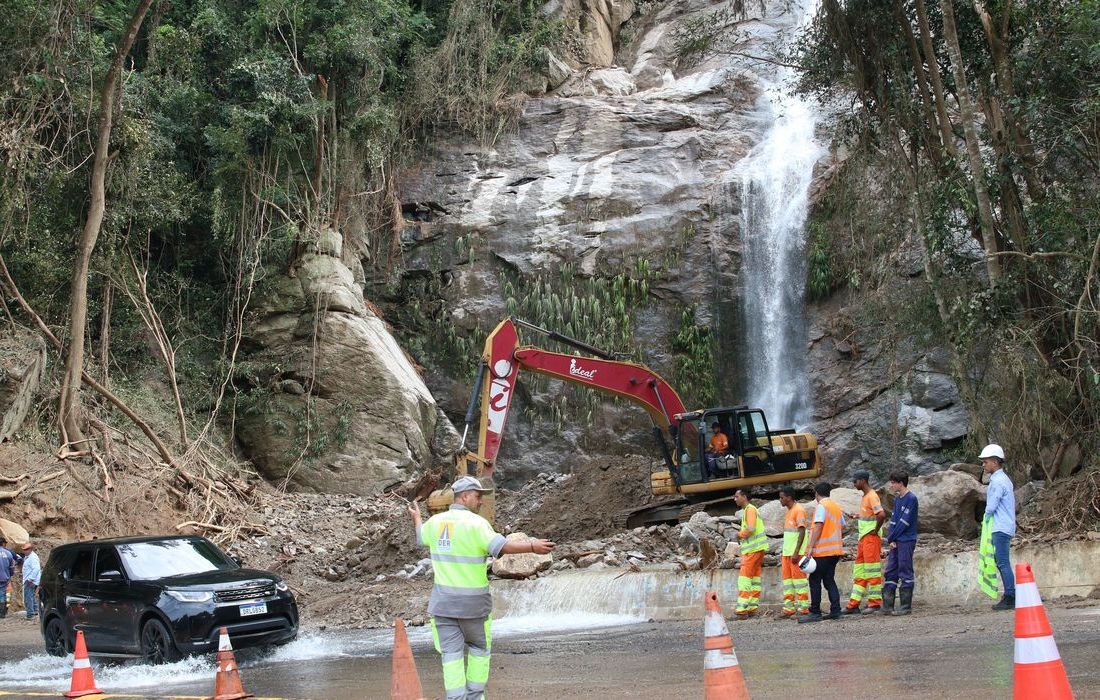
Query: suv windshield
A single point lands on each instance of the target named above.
(146, 561)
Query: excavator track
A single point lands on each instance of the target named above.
(652, 514)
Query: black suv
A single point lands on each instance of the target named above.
(160, 598)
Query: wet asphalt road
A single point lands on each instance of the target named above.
(950, 653)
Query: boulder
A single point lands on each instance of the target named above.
(773, 514)
(13, 533)
(974, 470)
(733, 550)
(847, 499)
(22, 359)
(1027, 493)
(588, 560)
(947, 503)
(331, 403)
(521, 565)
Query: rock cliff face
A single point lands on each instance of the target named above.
(332, 403)
(626, 167)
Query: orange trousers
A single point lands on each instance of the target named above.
(796, 588)
(748, 583)
(867, 572)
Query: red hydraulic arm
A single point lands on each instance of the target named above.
(503, 358)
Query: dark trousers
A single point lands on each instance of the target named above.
(825, 573)
(899, 565)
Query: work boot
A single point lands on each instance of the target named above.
(851, 611)
(835, 614)
(888, 599)
(809, 617)
(906, 607)
(872, 609)
(1007, 603)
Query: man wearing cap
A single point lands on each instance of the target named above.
(1000, 514)
(867, 569)
(32, 578)
(7, 571)
(461, 605)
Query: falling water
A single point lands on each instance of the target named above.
(775, 182)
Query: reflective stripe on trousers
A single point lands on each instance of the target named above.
(748, 582)
(465, 647)
(796, 588)
(867, 572)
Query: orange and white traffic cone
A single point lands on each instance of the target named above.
(406, 681)
(83, 682)
(1039, 671)
(227, 684)
(722, 677)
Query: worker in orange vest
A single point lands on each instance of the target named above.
(867, 570)
(796, 588)
(825, 549)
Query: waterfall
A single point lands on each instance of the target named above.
(775, 182)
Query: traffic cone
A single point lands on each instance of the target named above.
(406, 682)
(227, 684)
(83, 682)
(722, 677)
(1039, 672)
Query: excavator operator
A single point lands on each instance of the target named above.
(719, 445)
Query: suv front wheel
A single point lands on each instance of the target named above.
(56, 637)
(157, 646)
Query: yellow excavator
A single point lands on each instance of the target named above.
(692, 476)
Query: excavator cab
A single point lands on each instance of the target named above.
(753, 453)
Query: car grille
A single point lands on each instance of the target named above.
(265, 590)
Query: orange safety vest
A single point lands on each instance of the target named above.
(831, 541)
(719, 443)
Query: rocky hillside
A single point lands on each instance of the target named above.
(613, 212)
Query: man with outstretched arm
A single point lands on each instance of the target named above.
(461, 605)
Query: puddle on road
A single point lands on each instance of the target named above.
(43, 671)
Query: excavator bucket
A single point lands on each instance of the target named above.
(465, 464)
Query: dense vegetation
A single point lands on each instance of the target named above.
(234, 132)
(980, 123)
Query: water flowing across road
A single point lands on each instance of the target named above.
(775, 179)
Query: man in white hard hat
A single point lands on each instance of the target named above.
(460, 605)
(1000, 505)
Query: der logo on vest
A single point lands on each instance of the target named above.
(444, 541)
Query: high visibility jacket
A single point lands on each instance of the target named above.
(460, 540)
(869, 507)
(796, 518)
(831, 541)
(753, 538)
(719, 443)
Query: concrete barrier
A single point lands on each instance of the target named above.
(668, 593)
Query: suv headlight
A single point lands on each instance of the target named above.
(191, 596)
(281, 586)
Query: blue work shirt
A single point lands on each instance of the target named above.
(903, 519)
(7, 566)
(1000, 502)
(32, 569)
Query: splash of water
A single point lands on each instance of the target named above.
(775, 181)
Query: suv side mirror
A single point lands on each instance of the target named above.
(110, 576)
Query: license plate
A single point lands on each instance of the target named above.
(253, 609)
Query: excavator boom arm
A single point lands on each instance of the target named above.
(503, 358)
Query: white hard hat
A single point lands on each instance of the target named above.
(808, 564)
(992, 451)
